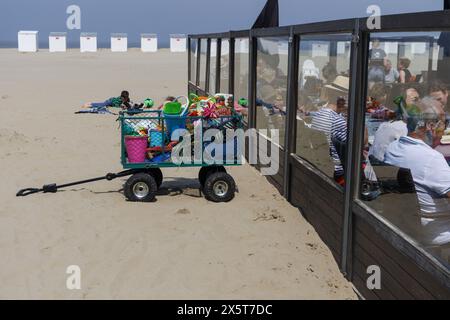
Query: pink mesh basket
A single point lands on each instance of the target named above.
(136, 147)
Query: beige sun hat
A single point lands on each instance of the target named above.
(340, 84)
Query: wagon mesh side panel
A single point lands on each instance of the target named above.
(131, 123)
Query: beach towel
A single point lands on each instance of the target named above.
(96, 110)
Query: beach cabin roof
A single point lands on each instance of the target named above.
(88, 34)
(28, 32)
(118, 35)
(58, 34)
(178, 35)
(148, 35)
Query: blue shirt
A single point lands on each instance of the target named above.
(429, 170)
(431, 175)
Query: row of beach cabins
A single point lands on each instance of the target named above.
(28, 41)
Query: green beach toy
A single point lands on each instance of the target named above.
(148, 103)
(172, 107)
(192, 97)
(243, 102)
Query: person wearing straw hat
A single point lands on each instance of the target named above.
(338, 135)
(339, 122)
(331, 121)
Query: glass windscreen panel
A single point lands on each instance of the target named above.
(406, 156)
(212, 67)
(203, 51)
(321, 119)
(224, 66)
(271, 86)
(193, 61)
(241, 74)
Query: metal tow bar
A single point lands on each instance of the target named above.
(53, 188)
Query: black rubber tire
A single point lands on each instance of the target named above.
(157, 174)
(148, 187)
(206, 171)
(209, 190)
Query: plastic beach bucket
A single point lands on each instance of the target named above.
(136, 147)
(174, 122)
(175, 115)
(172, 107)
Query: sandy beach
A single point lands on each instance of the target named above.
(257, 246)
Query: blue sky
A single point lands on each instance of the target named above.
(177, 16)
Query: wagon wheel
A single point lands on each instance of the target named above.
(219, 187)
(205, 171)
(140, 187)
(157, 174)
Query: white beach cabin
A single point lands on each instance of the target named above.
(28, 41)
(119, 42)
(177, 43)
(57, 42)
(149, 42)
(88, 42)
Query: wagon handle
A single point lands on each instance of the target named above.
(53, 187)
(27, 191)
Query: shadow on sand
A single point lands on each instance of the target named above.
(171, 186)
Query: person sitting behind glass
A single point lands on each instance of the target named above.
(396, 126)
(269, 81)
(439, 91)
(338, 132)
(330, 115)
(386, 133)
(334, 96)
(412, 96)
(377, 58)
(329, 72)
(376, 104)
(429, 170)
(391, 75)
(405, 75)
(268, 70)
(428, 167)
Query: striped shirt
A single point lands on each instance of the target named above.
(323, 119)
(338, 132)
(333, 125)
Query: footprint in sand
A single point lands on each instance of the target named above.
(8, 137)
(268, 214)
(183, 211)
(5, 96)
(313, 246)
